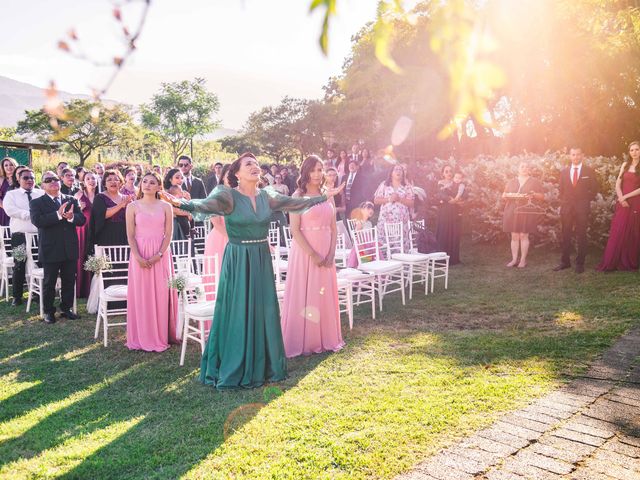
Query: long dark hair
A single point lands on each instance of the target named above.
(235, 167)
(168, 176)
(305, 172)
(628, 164)
(403, 181)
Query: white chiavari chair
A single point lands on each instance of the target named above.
(416, 264)
(439, 261)
(286, 232)
(198, 305)
(389, 274)
(362, 288)
(342, 251)
(113, 288)
(199, 239)
(279, 263)
(6, 261)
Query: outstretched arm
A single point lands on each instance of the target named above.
(219, 202)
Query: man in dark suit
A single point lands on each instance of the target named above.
(191, 184)
(356, 188)
(215, 179)
(57, 216)
(288, 180)
(578, 187)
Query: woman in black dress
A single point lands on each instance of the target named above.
(107, 225)
(449, 222)
(518, 220)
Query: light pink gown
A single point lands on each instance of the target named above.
(215, 243)
(151, 305)
(310, 314)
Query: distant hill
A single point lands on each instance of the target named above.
(16, 97)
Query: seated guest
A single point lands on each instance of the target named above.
(56, 216)
(68, 179)
(191, 184)
(16, 204)
(85, 198)
(130, 178)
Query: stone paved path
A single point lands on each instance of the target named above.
(587, 430)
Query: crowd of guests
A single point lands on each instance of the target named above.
(76, 210)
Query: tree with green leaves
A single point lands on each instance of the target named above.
(8, 134)
(85, 126)
(181, 111)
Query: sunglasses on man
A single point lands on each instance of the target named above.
(50, 180)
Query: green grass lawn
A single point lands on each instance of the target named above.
(408, 383)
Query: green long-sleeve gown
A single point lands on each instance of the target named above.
(245, 346)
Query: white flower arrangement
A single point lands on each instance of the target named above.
(19, 253)
(180, 282)
(96, 264)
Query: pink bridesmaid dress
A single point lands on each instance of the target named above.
(310, 314)
(151, 305)
(215, 243)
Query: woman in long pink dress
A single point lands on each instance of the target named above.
(217, 239)
(85, 198)
(310, 314)
(151, 305)
(623, 246)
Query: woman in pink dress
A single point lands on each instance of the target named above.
(623, 245)
(151, 305)
(217, 239)
(310, 314)
(85, 198)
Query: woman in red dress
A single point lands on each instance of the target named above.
(623, 245)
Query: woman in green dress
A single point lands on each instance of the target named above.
(245, 346)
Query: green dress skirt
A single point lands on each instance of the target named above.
(245, 346)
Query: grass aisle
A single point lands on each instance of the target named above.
(408, 383)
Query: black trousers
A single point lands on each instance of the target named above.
(575, 222)
(67, 272)
(18, 275)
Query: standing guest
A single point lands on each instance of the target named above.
(139, 172)
(275, 170)
(310, 313)
(266, 174)
(355, 156)
(280, 187)
(331, 181)
(16, 175)
(98, 169)
(330, 158)
(215, 178)
(356, 187)
(69, 185)
(395, 198)
(157, 169)
(16, 204)
(217, 238)
(174, 178)
(621, 252)
(288, 179)
(191, 184)
(60, 167)
(107, 225)
(245, 346)
(151, 306)
(449, 220)
(80, 173)
(366, 162)
(85, 198)
(7, 169)
(130, 178)
(57, 215)
(342, 163)
(578, 187)
(514, 221)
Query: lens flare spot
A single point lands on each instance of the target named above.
(311, 314)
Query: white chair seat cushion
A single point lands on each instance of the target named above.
(352, 274)
(381, 266)
(8, 262)
(193, 280)
(343, 283)
(200, 309)
(37, 272)
(283, 265)
(115, 292)
(411, 257)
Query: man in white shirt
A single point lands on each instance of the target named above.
(16, 205)
(98, 168)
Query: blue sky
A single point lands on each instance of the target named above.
(252, 52)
